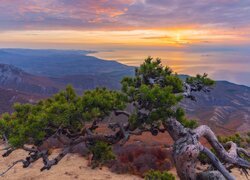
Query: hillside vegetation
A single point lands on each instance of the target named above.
(155, 93)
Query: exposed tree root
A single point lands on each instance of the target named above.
(11, 166)
(230, 157)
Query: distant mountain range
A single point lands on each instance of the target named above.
(53, 69)
(9, 96)
(14, 78)
(226, 108)
(59, 63)
(29, 75)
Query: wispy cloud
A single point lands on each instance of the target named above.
(122, 14)
(60, 14)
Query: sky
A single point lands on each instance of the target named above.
(190, 35)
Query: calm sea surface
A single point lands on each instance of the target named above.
(232, 66)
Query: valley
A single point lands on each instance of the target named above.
(30, 75)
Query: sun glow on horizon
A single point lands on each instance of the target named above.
(168, 37)
(205, 33)
(45, 24)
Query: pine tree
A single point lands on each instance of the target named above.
(155, 93)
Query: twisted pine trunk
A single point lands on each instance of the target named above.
(187, 148)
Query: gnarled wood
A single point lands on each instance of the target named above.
(216, 162)
(187, 148)
(230, 157)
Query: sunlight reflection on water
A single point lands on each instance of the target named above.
(231, 66)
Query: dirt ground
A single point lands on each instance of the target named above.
(71, 167)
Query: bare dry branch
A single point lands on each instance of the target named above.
(216, 162)
(230, 157)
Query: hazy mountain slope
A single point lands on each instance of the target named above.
(86, 82)
(16, 79)
(226, 107)
(8, 97)
(56, 63)
(57, 68)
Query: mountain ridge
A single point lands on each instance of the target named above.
(15, 78)
(227, 105)
(53, 63)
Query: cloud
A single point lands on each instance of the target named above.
(60, 14)
(168, 13)
(122, 14)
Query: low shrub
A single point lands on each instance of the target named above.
(158, 175)
(139, 159)
(102, 153)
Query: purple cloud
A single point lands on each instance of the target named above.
(122, 14)
(60, 14)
